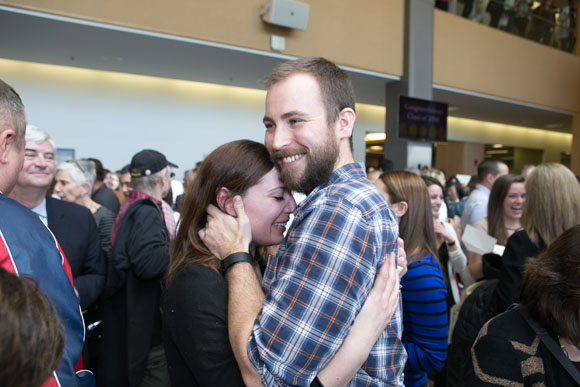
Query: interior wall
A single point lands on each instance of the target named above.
(112, 116)
(475, 57)
(366, 35)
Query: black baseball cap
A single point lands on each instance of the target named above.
(148, 162)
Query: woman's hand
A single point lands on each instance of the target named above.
(441, 232)
(383, 298)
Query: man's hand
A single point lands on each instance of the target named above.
(223, 234)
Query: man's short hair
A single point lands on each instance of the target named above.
(146, 183)
(12, 113)
(335, 86)
(31, 335)
(36, 135)
(488, 166)
(126, 169)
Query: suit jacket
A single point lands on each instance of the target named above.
(76, 231)
(28, 248)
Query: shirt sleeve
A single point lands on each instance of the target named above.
(148, 244)
(323, 275)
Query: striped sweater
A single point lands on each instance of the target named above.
(425, 323)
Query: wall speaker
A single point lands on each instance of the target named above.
(286, 13)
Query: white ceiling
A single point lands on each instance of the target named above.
(43, 38)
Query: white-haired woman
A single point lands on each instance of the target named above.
(74, 182)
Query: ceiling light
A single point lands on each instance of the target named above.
(375, 136)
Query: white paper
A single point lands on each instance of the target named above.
(477, 241)
(498, 249)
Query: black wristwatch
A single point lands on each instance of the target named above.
(234, 258)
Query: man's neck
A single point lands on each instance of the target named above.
(344, 157)
(29, 197)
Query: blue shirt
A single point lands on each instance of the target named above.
(425, 321)
(476, 206)
(319, 280)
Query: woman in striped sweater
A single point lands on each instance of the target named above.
(423, 287)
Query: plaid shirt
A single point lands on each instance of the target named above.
(319, 280)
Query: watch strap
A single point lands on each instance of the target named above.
(234, 258)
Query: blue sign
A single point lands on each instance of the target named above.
(422, 120)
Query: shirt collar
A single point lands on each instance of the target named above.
(482, 188)
(40, 210)
(350, 171)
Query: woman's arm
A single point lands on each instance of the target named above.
(369, 324)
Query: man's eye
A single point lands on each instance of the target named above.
(295, 121)
(268, 125)
(279, 198)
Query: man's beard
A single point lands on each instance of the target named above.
(320, 163)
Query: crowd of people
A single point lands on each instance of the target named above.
(545, 22)
(366, 281)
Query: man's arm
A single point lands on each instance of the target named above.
(92, 279)
(310, 308)
(225, 235)
(148, 243)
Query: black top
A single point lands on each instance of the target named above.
(76, 232)
(508, 352)
(107, 198)
(131, 304)
(195, 331)
(518, 249)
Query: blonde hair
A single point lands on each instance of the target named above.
(552, 202)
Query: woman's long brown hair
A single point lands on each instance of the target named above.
(416, 226)
(237, 166)
(499, 191)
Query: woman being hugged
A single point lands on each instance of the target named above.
(195, 302)
(423, 290)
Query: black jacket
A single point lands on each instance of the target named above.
(76, 231)
(488, 300)
(131, 310)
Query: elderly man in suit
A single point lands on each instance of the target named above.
(73, 226)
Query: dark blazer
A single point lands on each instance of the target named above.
(76, 231)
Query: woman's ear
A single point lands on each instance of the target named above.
(225, 202)
(86, 188)
(400, 209)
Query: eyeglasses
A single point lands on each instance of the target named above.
(77, 164)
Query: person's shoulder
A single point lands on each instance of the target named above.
(71, 209)
(510, 325)
(105, 213)
(196, 280)
(358, 192)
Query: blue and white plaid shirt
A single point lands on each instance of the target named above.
(318, 282)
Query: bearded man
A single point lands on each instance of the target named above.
(287, 331)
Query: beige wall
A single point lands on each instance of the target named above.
(476, 57)
(367, 34)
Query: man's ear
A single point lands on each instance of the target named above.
(345, 123)
(225, 201)
(400, 208)
(6, 142)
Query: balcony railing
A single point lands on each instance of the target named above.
(548, 22)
